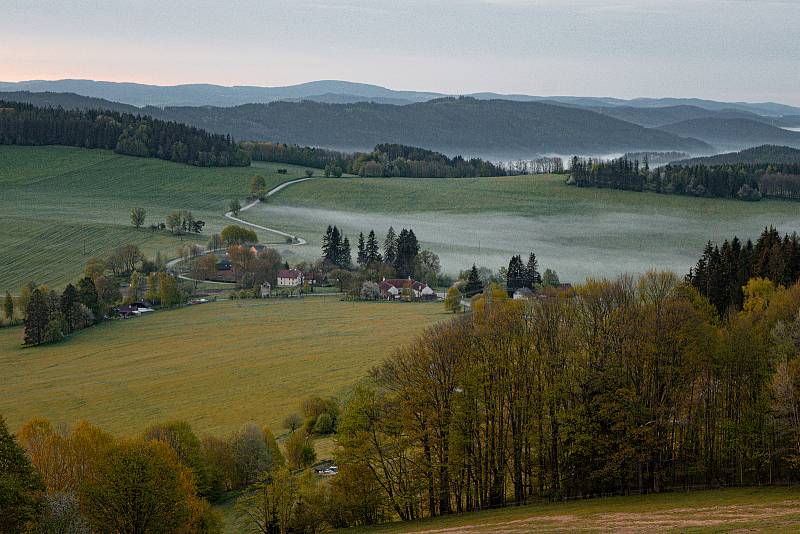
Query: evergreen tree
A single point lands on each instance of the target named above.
(362, 251)
(474, 284)
(532, 276)
(67, 305)
(390, 247)
(87, 295)
(516, 276)
(406, 253)
(21, 487)
(37, 316)
(372, 249)
(345, 260)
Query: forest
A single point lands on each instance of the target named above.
(385, 160)
(722, 272)
(125, 133)
(743, 181)
(630, 386)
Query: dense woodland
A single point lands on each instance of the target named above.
(384, 160)
(722, 271)
(627, 387)
(744, 181)
(134, 135)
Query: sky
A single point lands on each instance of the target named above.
(746, 50)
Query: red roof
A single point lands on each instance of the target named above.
(289, 273)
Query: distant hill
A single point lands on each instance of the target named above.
(67, 101)
(765, 154)
(733, 134)
(486, 128)
(660, 116)
(216, 95)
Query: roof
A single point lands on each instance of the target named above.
(289, 273)
(401, 283)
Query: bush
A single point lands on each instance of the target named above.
(324, 424)
(54, 332)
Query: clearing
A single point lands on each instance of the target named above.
(216, 365)
(768, 509)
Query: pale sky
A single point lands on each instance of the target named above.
(720, 49)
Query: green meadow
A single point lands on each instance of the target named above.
(59, 206)
(216, 365)
(578, 232)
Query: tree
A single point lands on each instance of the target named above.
(234, 207)
(345, 260)
(474, 284)
(216, 242)
(390, 247)
(139, 487)
(251, 455)
(258, 186)
(8, 308)
(168, 293)
(550, 278)
(292, 422)
(299, 450)
(532, 277)
(37, 318)
(137, 217)
(21, 487)
(237, 235)
(406, 252)
(151, 294)
(452, 302)
(180, 437)
(516, 275)
(371, 249)
(276, 456)
(427, 267)
(95, 267)
(362, 252)
(309, 173)
(270, 508)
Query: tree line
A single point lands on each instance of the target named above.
(629, 386)
(743, 181)
(722, 271)
(134, 135)
(385, 160)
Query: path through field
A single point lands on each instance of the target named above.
(296, 241)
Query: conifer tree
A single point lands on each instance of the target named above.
(390, 247)
(474, 284)
(372, 249)
(362, 251)
(37, 316)
(532, 276)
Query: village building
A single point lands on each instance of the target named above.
(266, 290)
(392, 289)
(290, 278)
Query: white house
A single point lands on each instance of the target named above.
(290, 278)
(392, 288)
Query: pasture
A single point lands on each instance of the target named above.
(215, 365)
(767, 509)
(578, 232)
(60, 206)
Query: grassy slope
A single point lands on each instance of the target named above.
(579, 232)
(743, 510)
(55, 200)
(215, 365)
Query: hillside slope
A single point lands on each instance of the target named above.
(660, 116)
(488, 128)
(733, 134)
(765, 154)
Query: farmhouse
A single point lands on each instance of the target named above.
(392, 289)
(290, 278)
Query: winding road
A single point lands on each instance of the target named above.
(296, 241)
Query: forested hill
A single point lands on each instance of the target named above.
(733, 134)
(487, 128)
(660, 116)
(765, 154)
(68, 101)
(125, 133)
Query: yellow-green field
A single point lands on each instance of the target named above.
(730, 510)
(215, 365)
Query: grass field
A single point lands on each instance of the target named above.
(215, 365)
(729, 510)
(578, 232)
(57, 202)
